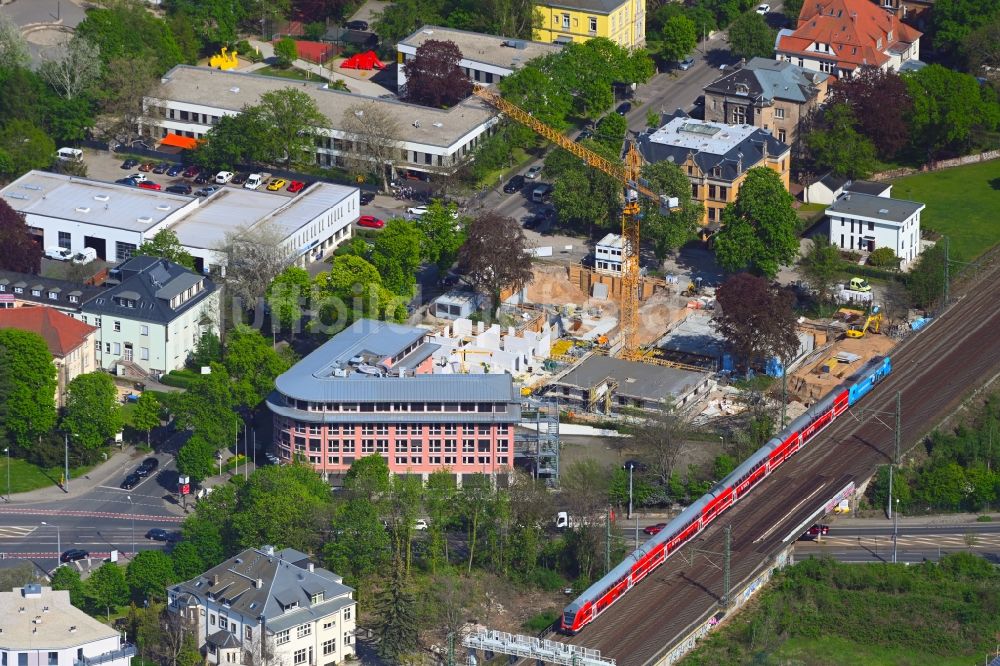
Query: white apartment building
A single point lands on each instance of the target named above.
(608, 255)
(39, 627)
(268, 599)
(190, 100)
(77, 213)
(485, 58)
(865, 223)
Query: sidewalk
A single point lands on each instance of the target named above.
(107, 473)
(933, 520)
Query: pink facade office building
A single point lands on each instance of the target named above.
(376, 388)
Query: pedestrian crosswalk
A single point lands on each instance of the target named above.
(16, 532)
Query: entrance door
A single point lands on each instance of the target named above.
(128, 351)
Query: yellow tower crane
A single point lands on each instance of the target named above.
(628, 174)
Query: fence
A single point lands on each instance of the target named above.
(937, 165)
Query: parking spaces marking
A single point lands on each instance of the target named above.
(15, 532)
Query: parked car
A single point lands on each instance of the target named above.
(131, 182)
(131, 481)
(158, 534)
(370, 221)
(150, 464)
(296, 186)
(162, 167)
(191, 171)
(860, 284)
(175, 170)
(367, 198)
(138, 177)
(254, 181)
(206, 191)
(58, 253)
(130, 163)
(146, 166)
(763, 9)
(420, 524)
(416, 211)
(74, 554)
(514, 184)
(150, 185)
(178, 189)
(818, 530)
(654, 529)
(276, 184)
(240, 178)
(224, 177)
(686, 64)
(585, 134)
(533, 222)
(203, 177)
(623, 108)
(357, 25)
(85, 256)
(534, 172)
(273, 459)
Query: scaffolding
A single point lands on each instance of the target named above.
(540, 444)
(539, 649)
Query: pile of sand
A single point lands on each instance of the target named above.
(551, 286)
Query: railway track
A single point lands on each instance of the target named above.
(934, 371)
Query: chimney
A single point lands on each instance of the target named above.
(259, 583)
(215, 579)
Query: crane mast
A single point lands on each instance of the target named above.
(628, 174)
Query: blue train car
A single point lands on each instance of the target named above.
(862, 381)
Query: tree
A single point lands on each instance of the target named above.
(582, 195)
(442, 234)
(27, 146)
(660, 440)
(13, 47)
(669, 231)
(93, 415)
(208, 408)
(678, 37)
(792, 9)
(350, 290)
(107, 587)
(146, 415)
(494, 256)
(884, 257)
(148, 575)
(402, 17)
(123, 87)
(880, 103)
(396, 255)
(253, 258)
(235, 140)
(289, 290)
(68, 578)
(839, 147)
(760, 227)
(207, 351)
(587, 70)
(947, 107)
(294, 119)
(360, 544)
(196, 458)
(166, 246)
(533, 89)
(253, 365)
(434, 77)
(76, 67)
(127, 30)
(611, 131)
(27, 387)
(18, 250)
(368, 478)
(187, 561)
(926, 280)
(751, 37)
(286, 51)
(821, 265)
(439, 501)
(283, 505)
(397, 625)
(953, 20)
(757, 320)
(982, 47)
(375, 132)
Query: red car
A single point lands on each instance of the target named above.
(296, 186)
(818, 530)
(654, 529)
(191, 172)
(370, 221)
(149, 185)
(148, 166)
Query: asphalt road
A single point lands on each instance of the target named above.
(909, 547)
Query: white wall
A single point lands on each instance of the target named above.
(67, 656)
(903, 239)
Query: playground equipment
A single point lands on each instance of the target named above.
(224, 60)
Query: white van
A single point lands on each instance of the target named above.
(541, 193)
(254, 181)
(70, 154)
(85, 256)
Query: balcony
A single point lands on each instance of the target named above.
(126, 652)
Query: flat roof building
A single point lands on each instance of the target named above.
(865, 222)
(190, 100)
(374, 389)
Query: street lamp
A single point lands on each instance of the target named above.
(58, 543)
(895, 530)
(7, 451)
(131, 505)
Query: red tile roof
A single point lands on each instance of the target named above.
(62, 333)
(857, 31)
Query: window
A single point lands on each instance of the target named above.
(282, 637)
(328, 625)
(22, 659)
(739, 115)
(211, 619)
(144, 330)
(64, 240)
(565, 21)
(118, 326)
(782, 136)
(300, 656)
(303, 630)
(53, 659)
(124, 251)
(347, 614)
(871, 226)
(330, 646)
(827, 67)
(593, 24)
(779, 114)
(36, 292)
(249, 633)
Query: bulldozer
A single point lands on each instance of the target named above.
(872, 323)
(693, 288)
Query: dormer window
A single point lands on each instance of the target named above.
(316, 598)
(18, 290)
(742, 89)
(36, 292)
(53, 295)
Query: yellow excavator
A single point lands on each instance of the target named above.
(872, 322)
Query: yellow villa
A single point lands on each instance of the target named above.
(565, 21)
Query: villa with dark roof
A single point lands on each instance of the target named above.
(715, 157)
(267, 606)
(374, 388)
(770, 94)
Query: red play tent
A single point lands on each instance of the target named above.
(366, 60)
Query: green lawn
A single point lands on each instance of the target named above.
(290, 73)
(830, 650)
(962, 204)
(24, 476)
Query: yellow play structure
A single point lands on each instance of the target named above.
(223, 60)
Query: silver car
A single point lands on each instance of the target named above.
(533, 172)
(686, 64)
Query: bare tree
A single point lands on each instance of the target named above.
(13, 48)
(373, 131)
(254, 257)
(126, 82)
(660, 440)
(74, 67)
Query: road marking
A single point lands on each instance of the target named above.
(15, 532)
(795, 508)
(90, 514)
